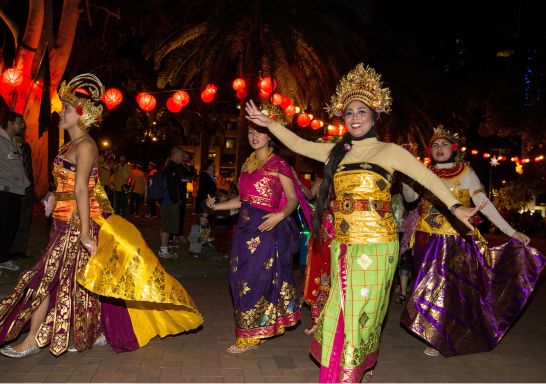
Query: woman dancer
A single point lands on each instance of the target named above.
(59, 296)
(265, 239)
(466, 295)
(364, 251)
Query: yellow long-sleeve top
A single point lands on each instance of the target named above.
(362, 184)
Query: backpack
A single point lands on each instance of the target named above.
(156, 186)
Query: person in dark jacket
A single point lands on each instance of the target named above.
(170, 209)
(207, 186)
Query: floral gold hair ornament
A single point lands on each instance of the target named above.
(273, 112)
(84, 93)
(363, 84)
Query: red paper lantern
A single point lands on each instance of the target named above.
(241, 94)
(112, 98)
(181, 98)
(173, 106)
(303, 120)
(276, 99)
(290, 110)
(315, 124)
(286, 101)
(268, 84)
(239, 84)
(264, 94)
(208, 93)
(146, 102)
(332, 129)
(13, 77)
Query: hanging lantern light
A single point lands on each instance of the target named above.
(173, 106)
(303, 120)
(112, 98)
(241, 94)
(286, 101)
(315, 124)
(181, 98)
(13, 77)
(332, 129)
(268, 84)
(290, 110)
(264, 94)
(276, 99)
(239, 84)
(146, 102)
(208, 93)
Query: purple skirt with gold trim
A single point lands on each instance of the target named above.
(467, 295)
(260, 275)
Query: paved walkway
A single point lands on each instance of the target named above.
(201, 357)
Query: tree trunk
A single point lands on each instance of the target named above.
(59, 55)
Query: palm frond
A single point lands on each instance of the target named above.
(188, 35)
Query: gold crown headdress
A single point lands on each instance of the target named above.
(273, 112)
(441, 133)
(363, 84)
(91, 88)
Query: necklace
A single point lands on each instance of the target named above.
(252, 163)
(68, 146)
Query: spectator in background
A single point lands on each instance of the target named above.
(169, 209)
(105, 172)
(187, 172)
(13, 185)
(120, 182)
(20, 243)
(207, 185)
(137, 194)
(151, 204)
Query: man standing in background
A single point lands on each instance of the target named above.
(13, 184)
(20, 243)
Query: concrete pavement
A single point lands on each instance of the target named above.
(201, 357)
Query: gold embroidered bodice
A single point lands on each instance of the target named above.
(64, 173)
(362, 212)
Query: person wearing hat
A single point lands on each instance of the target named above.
(266, 237)
(364, 252)
(466, 294)
(97, 281)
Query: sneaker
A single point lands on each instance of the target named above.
(165, 255)
(10, 265)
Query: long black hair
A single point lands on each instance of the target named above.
(337, 153)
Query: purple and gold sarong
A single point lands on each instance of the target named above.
(260, 276)
(467, 295)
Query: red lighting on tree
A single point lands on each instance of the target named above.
(474, 151)
(315, 124)
(13, 77)
(146, 102)
(241, 94)
(173, 106)
(486, 155)
(180, 98)
(276, 99)
(239, 84)
(303, 120)
(112, 98)
(267, 84)
(290, 110)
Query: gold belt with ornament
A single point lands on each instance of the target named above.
(348, 205)
(69, 195)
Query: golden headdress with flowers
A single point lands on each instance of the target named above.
(441, 133)
(273, 112)
(84, 92)
(363, 84)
